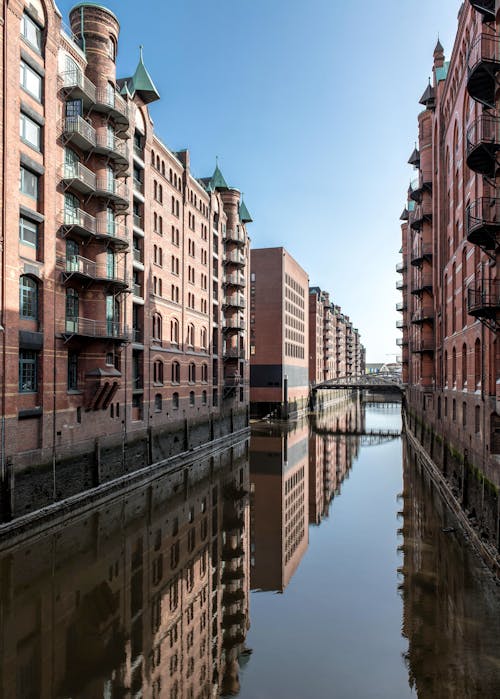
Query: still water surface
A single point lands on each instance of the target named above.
(312, 564)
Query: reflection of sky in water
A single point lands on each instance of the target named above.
(387, 416)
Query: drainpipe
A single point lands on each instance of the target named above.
(2, 253)
(81, 31)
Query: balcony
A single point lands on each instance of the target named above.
(107, 100)
(233, 353)
(79, 222)
(90, 271)
(114, 191)
(422, 213)
(233, 324)
(423, 315)
(400, 324)
(75, 84)
(400, 267)
(483, 222)
(235, 258)
(401, 306)
(78, 177)
(401, 341)
(137, 255)
(114, 148)
(137, 336)
(484, 302)
(234, 279)
(138, 222)
(80, 133)
(486, 8)
(96, 329)
(421, 252)
(483, 63)
(235, 301)
(400, 284)
(235, 236)
(422, 283)
(423, 346)
(483, 143)
(113, 232)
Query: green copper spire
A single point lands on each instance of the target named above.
(244, 213)
(217, 181)
(143, 84)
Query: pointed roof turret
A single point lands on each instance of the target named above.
(405, 215)
(217, 181)
(439, 49)
(143, 84)
(244, 213)
(414, 158)
(428, 99)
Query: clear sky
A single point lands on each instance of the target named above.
(312, 109)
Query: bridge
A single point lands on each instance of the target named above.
(368, 438)
(383, 382)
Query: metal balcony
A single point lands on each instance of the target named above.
(75, 83)
(421, 252)
(486, 8)
(114, 148)
(235, 236)
(113, 233)
(84, 225)
(400, 284)
(423, 283)
(233, 353)
(483, 222)
(113, 190)
(483, 63)
(484, 302)
(89, 271)
(79, 222)
(107, 100)
(234, 301)
(483, 143)
(401, 341)
(422, 213)
(400, 267)
(401, 306)
(78, 177)
(96, 329)
(423, 346)
(234, 258)
(400, 324)
(423, 315)
(234, 279)
(233, 324)
(80, 133)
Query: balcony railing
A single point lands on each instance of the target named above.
(81, 266)
(139, 151)
(233, 324)
(114, 190)
(400, 267)
(79, 132)
(138, 222)
(78, 177)
(235, 300)
(137, 255)
(137, 289)
(483, 222)
(483, 63)
(484, 302)
(401, 306)
(137, 335)
(423, 346)
(400, 284)
(138, 185)
(420, 252)
(88, 327)
(423, 212)
(235, 236)
(422, 283)
(79, 221)
(235, 258)
(234, 353)
(483, 143)
(400, 324)
(108, 100)
(235, 279)
(422, 315)
(115, 148)
(401, 341)
(80, 87)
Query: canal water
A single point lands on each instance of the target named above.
(316, 561)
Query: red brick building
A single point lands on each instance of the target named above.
(449, 282)
(279, 333)
(124, 277)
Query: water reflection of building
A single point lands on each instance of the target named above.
(279, 504)
(451, 614)
(145, 596)
(333, 445)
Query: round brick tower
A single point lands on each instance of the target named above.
(98, 29)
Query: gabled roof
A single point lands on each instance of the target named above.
(244, 213)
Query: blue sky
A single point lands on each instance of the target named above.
(312, 110)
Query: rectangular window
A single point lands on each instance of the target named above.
(31, 32)
(72, 371)
(28, 232)
(29, 131)
(27, 371)
(30, 81)
(28, 183)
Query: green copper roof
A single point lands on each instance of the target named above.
(217, 181)
(244, 213)
(95, 4)
(143, 84)
(442, 72)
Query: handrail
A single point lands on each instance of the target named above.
(77, 171)
(77, 125)
(486, 47)
(95, 328)
(76, 78)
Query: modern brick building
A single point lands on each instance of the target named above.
(279, 333)
(124, 277)
(450, 288)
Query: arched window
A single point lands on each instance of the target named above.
(204, 398)
(176, 372)
(174, 331)
(175, 401)
(446, 369)
(190, 335)
(454, 367)
(158, 403)
(464, 365)
(158, 371)
(28, 298)
(157, 326)
(204, 373)
(477, 363)
(192, 372)
(163, 168)
(191, 398)
(71, 162)
(152, 158)
(464, 286)
(157, 162)
(203, 338)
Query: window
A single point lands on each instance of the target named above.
(27, 371)
(28, 298)
(158, 402)
(190, 335)
(157, 326)
(174, 331)
(204, 398)
(204, 373)
(158, 372)
(28, 183)
(72, 306)
(111, 48)
(203, 338)
(28, 232)
(72, 371)
(176, 372)
(192, 372)
(175, 401)
(31, 32)
(191, 398)
(30, 81)
(29, 131)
